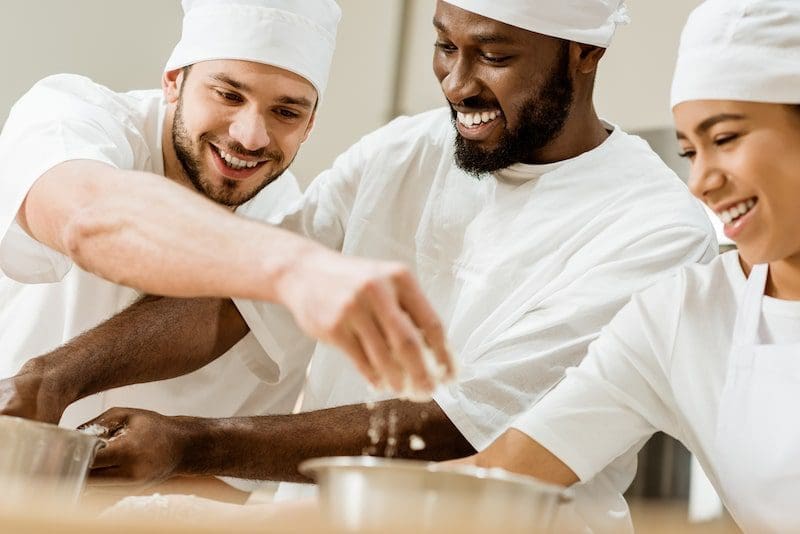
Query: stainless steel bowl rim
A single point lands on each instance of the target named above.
(311, 467)
(49, 427)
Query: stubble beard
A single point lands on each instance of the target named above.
(188, 154)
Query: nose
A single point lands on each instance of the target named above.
(249, 129)
(705, 176)
(460, 83)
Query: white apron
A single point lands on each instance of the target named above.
(758, 430)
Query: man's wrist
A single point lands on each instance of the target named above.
(285, 272)
(193, 438)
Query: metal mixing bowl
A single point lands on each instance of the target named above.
(368, 494)
(43, 461)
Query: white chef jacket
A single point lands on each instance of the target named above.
(661, 364)
(45, 300)
(523, 266)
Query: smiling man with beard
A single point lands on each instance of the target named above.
(269, 155)
(528, 221)
(96, 207)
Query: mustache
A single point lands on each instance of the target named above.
(236, 149)
(475, 103)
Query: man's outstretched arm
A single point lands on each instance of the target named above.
(149, 447)
(143, 231)
(154, 339)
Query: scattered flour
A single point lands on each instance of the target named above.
(416, 443)
(94, 430)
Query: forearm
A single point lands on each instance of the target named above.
(271, 447)
(154, 339)
(515, 451)
(147, 232)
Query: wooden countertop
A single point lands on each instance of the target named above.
(218, 511)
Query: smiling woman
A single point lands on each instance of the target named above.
(709, 356)
(744, 159)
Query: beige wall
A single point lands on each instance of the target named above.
(124, 44)
(634, 76)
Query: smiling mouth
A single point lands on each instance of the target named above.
(234, 163)
(734, 213)
(477, 119)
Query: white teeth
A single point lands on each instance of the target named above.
(734, 212)
(236, 163)
(470, 119)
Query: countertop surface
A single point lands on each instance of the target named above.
(209, 506)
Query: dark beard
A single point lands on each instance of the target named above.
(228, 194)
(541, 119)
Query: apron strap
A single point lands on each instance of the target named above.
(747, 319)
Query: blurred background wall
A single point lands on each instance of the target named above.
(381, 69)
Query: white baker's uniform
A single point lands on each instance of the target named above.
(706, 358)
(45, 300)
(524, 266)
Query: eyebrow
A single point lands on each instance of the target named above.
(711, 121)
(301, 101)
(482, 38)
(227, 80)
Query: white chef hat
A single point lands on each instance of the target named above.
(584, 21)
(296, 35)
(740, 50)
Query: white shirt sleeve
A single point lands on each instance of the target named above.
(513, 370)
(47, 127)
(321, 215)
(621, 393)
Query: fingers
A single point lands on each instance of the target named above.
(135, 451)
(372, 340)
(111, 420)
(111, 476)
(406, 346)
(113, 463)
(426, 320)
(23, 396)
(115, 453)
(352, 346)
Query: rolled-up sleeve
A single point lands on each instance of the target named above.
(45, 128)
(619, 395)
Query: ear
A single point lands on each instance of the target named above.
(585, 57)
(171, 83)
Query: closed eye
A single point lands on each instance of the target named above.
(490, 58)
(444, 47)
(229, 96)
(287, 113)
(724, 138)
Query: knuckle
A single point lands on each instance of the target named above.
(370, 286)
(349, 307)
(434, 327)
(399, 272)
(408, 344)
